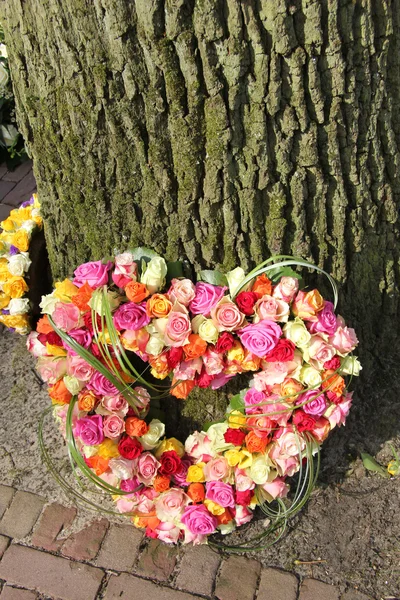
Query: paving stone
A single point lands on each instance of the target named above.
(120, 548)
(4, 541)
(3, 170)
(200, 579)
(21, 515)
(157, 561)
(277, 585)
(54, 519)
(4, 211)
(18, 173)
(5, 188)
(355, 595)
(12, 593)
(21, 192)
(238, 579)
(6, 495)
(311, 589)
(85, 544)
(129, 587)
(50, 575)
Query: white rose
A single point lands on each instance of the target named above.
(215, 434)
(154, 276)
(48, 304)
(18, 264)
(259, 469)
(296, 332)
(350, 365)
(208, 331)
(310, 376)
(29, 225)
(235, 278)
(228, 528)
(4, 77)
(89, 451)
(19, 306)
(9, 133)
(154, 346)
(73, 384)
(151, 439)
(3, 51)
(96, 302)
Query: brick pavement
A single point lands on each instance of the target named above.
(106, 561)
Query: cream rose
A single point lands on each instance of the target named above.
(154, 276)
(259, 469)
(235, 278)
(19, 263)
(310, 377)
(48, 304)
(350, 365)
(151, 439)
(73, 384)
(296, 332)
(208, 331)
(154, 346)
(19, 306)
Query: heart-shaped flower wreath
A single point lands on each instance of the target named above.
(197, 334)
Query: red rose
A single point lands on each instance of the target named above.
(129, 447)
(283, 351)
(333, 397)
(54, 339)
(42, 337)
(224, 343)
(333, 364)
(246, 302)
(170, 463)
(204, 380)
(234, 436)
(150, 533)
(87, 319)
(243, 498)
(94, 349)
(303, 421)
(174, 357)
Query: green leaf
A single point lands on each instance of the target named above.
(174, 269)
(213, 277)
(143, 253)
(371, 464)
(237, 402)
(276, 274)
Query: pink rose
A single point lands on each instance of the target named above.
(178, 327)
(171, 504)
(66, 316)
(213, 362)
(115, 404)
(131, 316)
(319, 352)
(271, 374)
(344, 339)
(326, 320)
(101, 385)
(221, 493)
(338, 414)
(243, 483)
(168, 533)
(51, 368)
(147, 468)
(188, 369)
(125, 269)
(198, 446)
(226, 316)
(242, 515)
(260, 338)
(216, 469)
(35, 346)
(220, 380)
(90, 430)
(94, 273)
(286, 289)
(79, 368)
(261, 425)
(276, 488)
(285, 464)
(271, 309)
(182, 291)
(254, 401)
(206, 298)
(113, 426)
(198, 520)
(82, 336)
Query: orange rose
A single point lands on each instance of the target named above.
(290, 389)
(195, 348)
(158, 306)
(136, 427)
(136, 292)
(262, 285)
(196, 492)
(251, 362)
(225, 518)
(161, 483)
(43, 325)
(150, 521)
(182, 389)
(86, 401)
(82, 298)
(333, 382)
(255, 443)
(159, 366)
(98, 464)
(59, 393)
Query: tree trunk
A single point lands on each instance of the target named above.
(221, 131)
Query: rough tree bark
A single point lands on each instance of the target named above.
(221, 131)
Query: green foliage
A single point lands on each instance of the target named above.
(213, 277)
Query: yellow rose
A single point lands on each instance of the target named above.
(315, 300)
(241, 458)
(38, 220)
(20, 239)
(214, 508)
(157, 374)
(3, 247)
(195, 473)
(236, 353)
(236, 419)
(9, 224)
(5, 274)
(104, 336)
(208, 332)
(108, 449)
(21, 214)
(36, 202)
(6, 238)
(170, 444)
(15, 321)
(55, 350)
(15, 287)
(4, 300)
(65, 290)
